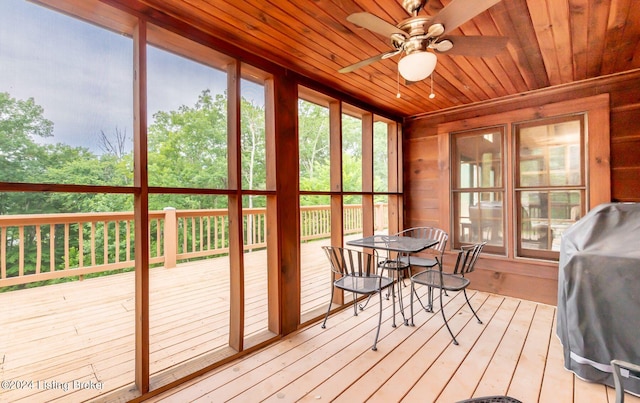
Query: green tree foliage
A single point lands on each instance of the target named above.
(187, 148)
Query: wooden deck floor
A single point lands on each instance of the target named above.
(84, 331)
(514, 352)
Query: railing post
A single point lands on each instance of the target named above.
(170, 237)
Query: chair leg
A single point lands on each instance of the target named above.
(413, 291)
(469, 303)
(355, 304)
(362, 306)
(445, 320)
(430, 302)
(375, 341)
(324, 322)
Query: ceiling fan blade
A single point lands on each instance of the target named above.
(368, 61)
(458, 12)
(375, 24)
(481, 46)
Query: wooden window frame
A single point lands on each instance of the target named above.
(597, 153)
(456, 190)
(518, 188)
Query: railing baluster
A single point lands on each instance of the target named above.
(3, 252)
(38, 248)
(52, 248)
(117, 241)
(93, 243)
(21, 250)
(105, 242)
(128, 239)
(80, 245)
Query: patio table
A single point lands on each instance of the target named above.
(401, 245)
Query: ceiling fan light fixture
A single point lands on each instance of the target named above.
(417, 66)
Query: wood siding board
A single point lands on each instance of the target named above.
(630, 40)
(523, 41)
(597, 28)
(560, 23)
(492, 70)
(615, 46)
(578, 15)
(542, 25)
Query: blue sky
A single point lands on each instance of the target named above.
(82, 75)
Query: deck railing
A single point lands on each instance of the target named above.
(41, 247)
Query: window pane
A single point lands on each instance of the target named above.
(313, 135)
(550, 154)
(80, 324)
(351, 153)
(545, 215)
(253, 130)
(189, 296)
(315, 232)
(66, 100)
(480, 217)
(187, 109)
(380, 157)
(256, 299)
(479, 160)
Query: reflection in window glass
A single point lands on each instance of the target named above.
(313, 137)
(550, 154)
(187, 134)
(550, 193)
(65, 99)
(479, 215)
(252, 136)
(351, 153)
(545, 215)
(479, 157)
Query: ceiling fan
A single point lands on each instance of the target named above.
(421, 37)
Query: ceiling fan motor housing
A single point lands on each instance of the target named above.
(413, 6)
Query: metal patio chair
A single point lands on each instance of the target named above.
(357, 272)
(456, 281)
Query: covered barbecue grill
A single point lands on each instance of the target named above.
(599, 293)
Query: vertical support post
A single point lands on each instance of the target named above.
(141, 207)
(236, 243)
(170, 237)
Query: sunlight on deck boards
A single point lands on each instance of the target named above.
(514, 352)
(84, 330)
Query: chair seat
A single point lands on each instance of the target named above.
(431, 278)
(418, 261)
(363, 285)
(392, 264)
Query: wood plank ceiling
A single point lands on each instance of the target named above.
(551, 42)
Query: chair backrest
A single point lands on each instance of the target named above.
(349, 262)
(467, 258)
(429, 233)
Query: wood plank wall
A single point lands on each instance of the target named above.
(426, 181)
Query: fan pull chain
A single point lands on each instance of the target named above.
(398, 83)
